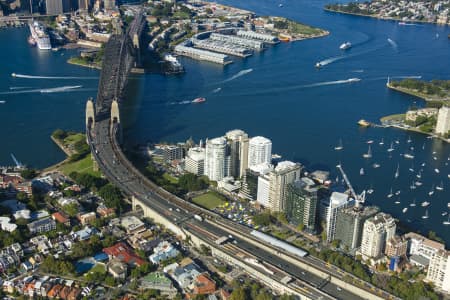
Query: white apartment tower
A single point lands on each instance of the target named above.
(216, 159)
(443, 120)
(259, 151)
(337, 201)
(376, 231)
(262, 196)
(195, 161)
(285, 172)
(238, 143)
(439, 270)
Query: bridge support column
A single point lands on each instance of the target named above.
(137, 49)
(90, 114)
(115, 118)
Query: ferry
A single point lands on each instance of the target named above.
(284, 37)
(199, 100)
(345, 46)
(363, 123)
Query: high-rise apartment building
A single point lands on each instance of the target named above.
(259, 151)
(350, 222)
(439, 270)
(302, 203)
(337, 201)
(238, 143)
(195, 161)
(263, 191)
(396, 246)
(285, 172)
(249, 188)
(376, 231)
(443, 120)
(216, 159)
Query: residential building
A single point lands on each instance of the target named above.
(84, 5)
(421, 246)
(132, 224)
(42, 225)
(396, 246)
(203, 284)
(301, 203)
(163, 251)
(54, 7)
(285, 172)
(439, 270)
(249, 188)
(262, 196)
(259, 151)
(117, 268)
(170, 152)
(195, 161)
(87, 218)
(216, 159)
(350, 222)
(238, 143)
(376, 231)
(158, 281)
(335, 202)
(60, 217)
(443, 121)
(124, 253)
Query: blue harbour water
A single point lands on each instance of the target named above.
(277, 93)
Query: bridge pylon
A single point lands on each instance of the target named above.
(137, 50)
(115, 119)
(90, 114)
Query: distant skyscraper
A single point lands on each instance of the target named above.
(195, 161)
(443, 120)
(285, 172)
(54, 7)
(337, 201)
(439, 270)
(259, 151)
(349, 224)
(109, 4)
(83, 5)
(376, 231)
(238, 143)
(216, 159)
(302, 203)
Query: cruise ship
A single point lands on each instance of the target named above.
(39, 36)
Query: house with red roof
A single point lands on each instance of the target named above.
(124, 253)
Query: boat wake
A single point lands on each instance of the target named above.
(216, 90)
(61, 89)
(407, 77)
(239, 74)
(13, 88)
(330, 60)
(357, 71)
(180, 103)
(344, 81)
(393, 44)
(49, 77)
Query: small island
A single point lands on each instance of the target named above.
(425, 11)
(434, 119)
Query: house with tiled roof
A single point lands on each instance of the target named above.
(124, 253)
(60, 217)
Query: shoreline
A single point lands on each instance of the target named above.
(55, 166)
(415, 94)
(411, 129)
(90, 66)
(376, 16)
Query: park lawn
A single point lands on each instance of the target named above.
(298, 28)
(85, 165)
(210, 200)
(396, 117)
(73, 138)
(170, 178)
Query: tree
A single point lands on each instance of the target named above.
(71, 209)
(28, 173)
(239, 294)
(263, 219)
(110, 281)
(22, 197)
(59, 134)
(300, 227)
(112, 196)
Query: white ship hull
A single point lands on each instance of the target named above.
(40, 36)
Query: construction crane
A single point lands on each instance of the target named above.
(361, 198)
